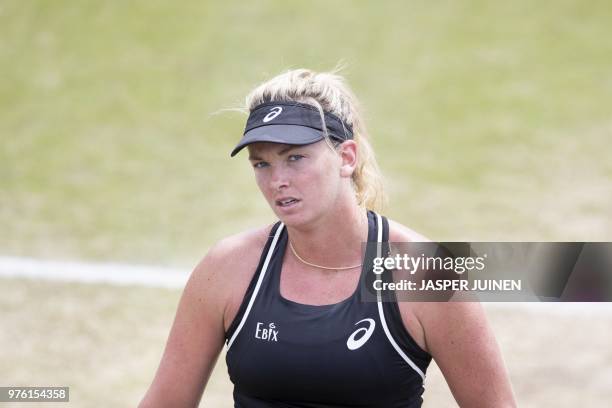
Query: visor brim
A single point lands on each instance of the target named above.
(285, 134)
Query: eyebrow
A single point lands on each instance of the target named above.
(280, 153)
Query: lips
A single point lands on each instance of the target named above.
(286, 201)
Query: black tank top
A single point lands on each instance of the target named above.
(348, 354)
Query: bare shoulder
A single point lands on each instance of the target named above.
(460, 339)
(431, 311)
(197, 334)
(410, 311)
(227, 269)
(400, 233)
(428, 322)
(238, 248)
(230, 257)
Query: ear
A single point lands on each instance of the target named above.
(348, 155)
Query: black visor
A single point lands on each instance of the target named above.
(290, 123)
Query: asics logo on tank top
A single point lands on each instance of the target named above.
(266, 333)
(353, 344)
(274, 112)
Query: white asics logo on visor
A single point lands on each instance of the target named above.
(274, 112)
(353, 344)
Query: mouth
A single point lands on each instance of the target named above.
(287, 202)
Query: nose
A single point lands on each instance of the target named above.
(279, 179)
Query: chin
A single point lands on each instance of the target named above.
(297, 219)
(292, 220)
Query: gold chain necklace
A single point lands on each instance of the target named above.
(319, 266)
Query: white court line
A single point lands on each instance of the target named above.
(112, 273)
(149, 276)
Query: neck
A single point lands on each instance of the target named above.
(333, 240)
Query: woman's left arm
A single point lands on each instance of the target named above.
(460, 340)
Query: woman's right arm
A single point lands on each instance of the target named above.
(195, 339)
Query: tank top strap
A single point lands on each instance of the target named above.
(377, 246)
(262, 277)
(389, 311)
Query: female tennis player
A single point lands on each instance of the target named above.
(284, 298)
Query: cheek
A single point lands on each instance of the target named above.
(262, 183)
(324, 181)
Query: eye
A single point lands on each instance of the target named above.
(260, 165)
(295, 157)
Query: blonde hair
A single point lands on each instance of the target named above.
(328, 92)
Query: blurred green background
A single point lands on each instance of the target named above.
(491, 121)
